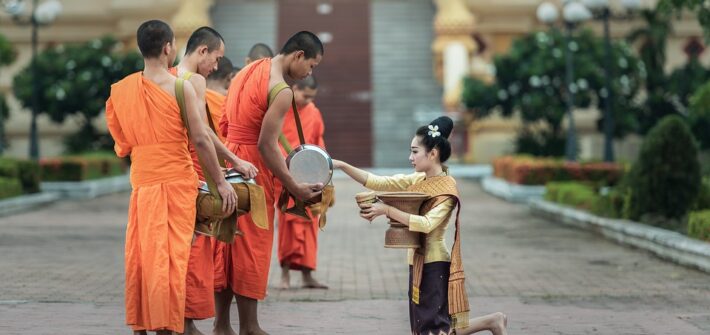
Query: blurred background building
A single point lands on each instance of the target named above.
(389, 66)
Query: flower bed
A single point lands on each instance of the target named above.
(525, 170)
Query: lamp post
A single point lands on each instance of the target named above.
(41, 14)
(602, 11)
(573, 13)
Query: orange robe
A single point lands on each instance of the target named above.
(298, 238)
(199, 302)
(245, 262)
(145, 123)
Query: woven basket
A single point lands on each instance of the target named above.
(397, 235)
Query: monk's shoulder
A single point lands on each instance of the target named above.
(199, 83)
(127, 82)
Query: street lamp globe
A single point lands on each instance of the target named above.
(547, 13)
(14, 7)
(47, 11)
(575, 12)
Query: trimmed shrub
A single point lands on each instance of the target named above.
(9, 188)
(578, 195)
(612, 204)
(703, 200)
(699, 225)
(665, 180)
(526, 170)
(9, 169)
(29, 175)
(26, 171)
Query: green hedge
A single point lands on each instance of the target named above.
(699, 225)
(586, 196)
(83, 167)
(26, 171)
(703, 200)
(574, 194)
(9, 188)
(9, 169)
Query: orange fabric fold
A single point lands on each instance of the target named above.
(245, 262)
(199, 300)
(199, 289)
(297, 237)
(144, 121)
(215, 105)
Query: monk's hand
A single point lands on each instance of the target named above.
(371, 211)
(247, 169)
(229, 197)
(305, 191)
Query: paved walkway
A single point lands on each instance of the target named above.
(61, 271)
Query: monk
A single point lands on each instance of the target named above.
(257, 52)
(144, 120)
(205, 48)
(252, 127)
(298, 238)
(217, 85)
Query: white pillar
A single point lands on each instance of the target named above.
(456, 66)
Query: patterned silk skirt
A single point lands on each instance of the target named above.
(431, 315)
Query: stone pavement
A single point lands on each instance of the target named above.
(61, 271)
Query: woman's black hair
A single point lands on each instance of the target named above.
(436, 135)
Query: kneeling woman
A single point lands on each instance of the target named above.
(438, 303)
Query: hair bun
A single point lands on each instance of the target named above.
(445, 124)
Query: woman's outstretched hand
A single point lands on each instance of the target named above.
(338, 164)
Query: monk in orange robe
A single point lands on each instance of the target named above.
(205, 48)
(257, 52)
(252, 127)
(298, 238)
(144, 119)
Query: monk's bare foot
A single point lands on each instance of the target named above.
(190, 328)
(285, 278)
(254, 331)
(310, 282)
(224, 331)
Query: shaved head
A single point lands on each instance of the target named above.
(305, 41)
(259, 51)
(204, 36)
(152, 36)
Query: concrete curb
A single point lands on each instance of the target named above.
(512, 192)
(665, 244)
(88, 189)
(23, 203)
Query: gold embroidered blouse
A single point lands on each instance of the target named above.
(433, 223)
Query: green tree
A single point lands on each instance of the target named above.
(530, 80)
(699, 7)
(75, 79)
(700, 115)
(652, 38)
(8, 54)
(665, 180)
